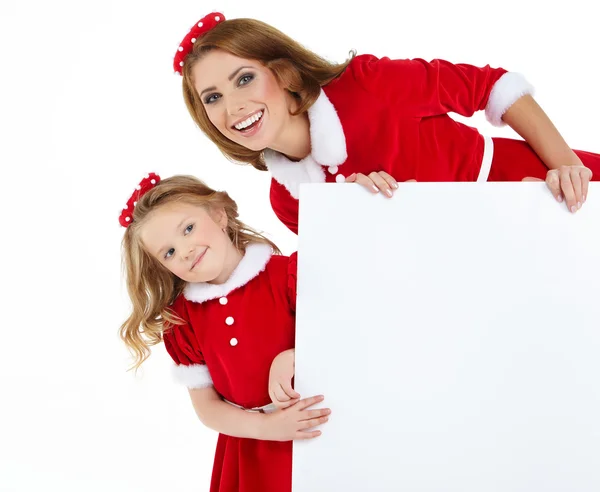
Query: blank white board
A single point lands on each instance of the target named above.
(455, 333)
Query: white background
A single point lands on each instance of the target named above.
(88, 105)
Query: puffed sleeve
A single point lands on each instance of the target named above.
(420, 88)
(292, 279)
(189, 367)
(284, 206)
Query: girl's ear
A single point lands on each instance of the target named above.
(220, 217)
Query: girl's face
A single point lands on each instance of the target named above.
(242, 99)
(189, 241)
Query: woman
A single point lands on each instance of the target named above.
(265, 100)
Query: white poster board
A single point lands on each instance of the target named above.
(455, 333)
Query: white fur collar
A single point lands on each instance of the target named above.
(293, 174)
(253, 262)
(328, 148)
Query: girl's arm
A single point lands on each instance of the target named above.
(191, 370)
(569, 177)
(282, 425)
(222, 417)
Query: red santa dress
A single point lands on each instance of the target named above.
(233, 331)
(392, 115)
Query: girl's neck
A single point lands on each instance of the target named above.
(233, 257)
(294, 139)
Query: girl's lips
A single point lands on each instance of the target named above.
(198, 259)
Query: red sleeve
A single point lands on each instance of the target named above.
(284, 205)
(292, 279)
(182, 345)
(420, 88)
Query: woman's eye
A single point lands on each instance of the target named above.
(245, 79)
(211, 99)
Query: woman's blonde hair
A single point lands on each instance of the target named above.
(151, 286)
(297, 69)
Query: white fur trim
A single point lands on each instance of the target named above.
(486, 160)
(254, 261)
(328, 142)
(293, 174)
(507, 89)
(328, 148)
(193, 376)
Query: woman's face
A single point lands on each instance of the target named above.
(242, 99)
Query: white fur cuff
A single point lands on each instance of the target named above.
(193, 376)
(510, 87)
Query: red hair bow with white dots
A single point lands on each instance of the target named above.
(201, 27)
(146, 184)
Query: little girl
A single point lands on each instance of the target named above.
(222, 298)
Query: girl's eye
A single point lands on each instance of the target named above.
(170, 253)
(189, 228)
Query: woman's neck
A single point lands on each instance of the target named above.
(294, 139)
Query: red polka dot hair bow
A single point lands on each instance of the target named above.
(201, 27)
(146, 184)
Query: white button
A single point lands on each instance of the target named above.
(332, 169)
(233, 342)
(340, 178)
(229, 321)
(223, 300)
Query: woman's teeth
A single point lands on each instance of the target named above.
(246, 123)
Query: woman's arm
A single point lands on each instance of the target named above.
(530, 121)
(569, 177)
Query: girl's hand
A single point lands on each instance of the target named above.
(569, 183)
(280, 380)
(294, 422)
(375, 182)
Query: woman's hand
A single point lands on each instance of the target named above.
(376, 182)
(569, 184)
